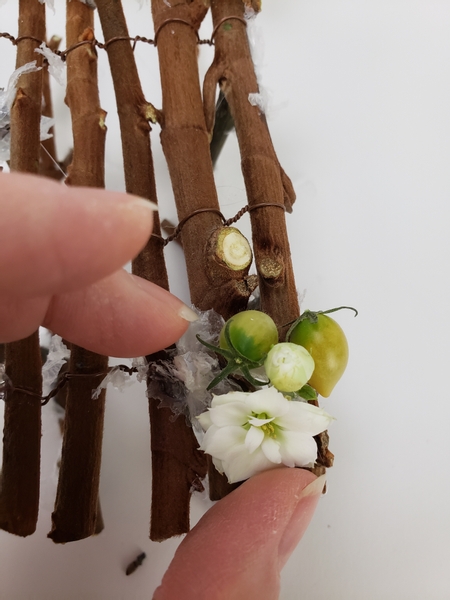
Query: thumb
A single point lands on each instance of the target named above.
(238, 548)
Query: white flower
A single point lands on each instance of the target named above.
(289, 366)
(247, 433)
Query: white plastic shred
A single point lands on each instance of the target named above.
(142, 368)
(6, 100)
(46, 124)
(89, 3)
(2, 381)
(184, 379)
(120, 380)
(257, 99)
(261, 98)
(56, 65)
(58, 355)
(48, 3)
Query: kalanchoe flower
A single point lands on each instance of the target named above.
(288, 366)
(247, 433)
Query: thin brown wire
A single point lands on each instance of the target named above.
(241, 19)
(8, 386)
(174, 20)
(138, 38)
(26, 37)
(226, 222)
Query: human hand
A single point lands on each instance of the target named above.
(60, 266)
(237, 550)
(62, 250)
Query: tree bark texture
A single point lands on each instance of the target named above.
(265, 180)
(176, 462)
(186, 145)
(76, 511)
(19, 494)
(185, 141)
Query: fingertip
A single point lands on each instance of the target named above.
(122, 315)
(74, 236)
(237, 542)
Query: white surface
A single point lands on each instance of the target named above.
(361, 124)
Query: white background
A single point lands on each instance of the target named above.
(360, 118)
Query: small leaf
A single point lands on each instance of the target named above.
(307, 392)
(231, 366)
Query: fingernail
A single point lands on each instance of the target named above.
(138, 201)
(188, 314)
(300, 518)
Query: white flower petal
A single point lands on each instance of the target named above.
(271, 449)
(240, 451)
(253, 439)
(297, 449)
(230, 397)
(269, 401)
(205, 420)
(304, 417)
(219, 441)
(218, 464)
(243, 465)
(233, 413)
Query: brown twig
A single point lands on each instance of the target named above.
(76, 508)
(264, 178)
(176, 462)
(19, 495)
(185, 141)
(75, 515)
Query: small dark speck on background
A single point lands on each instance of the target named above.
(137, 562)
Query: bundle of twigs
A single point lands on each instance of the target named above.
(187, 122)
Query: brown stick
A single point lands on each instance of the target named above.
(265, 180)
(77, 500)
(47, 167)
(176, 462)
(19, 495)
(185, 141)
(76, 506)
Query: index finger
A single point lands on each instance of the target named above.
(56, 238)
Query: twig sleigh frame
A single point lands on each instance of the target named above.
(186, 122)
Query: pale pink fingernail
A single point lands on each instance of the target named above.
(188, 314)
(300, 518)
(137, 201)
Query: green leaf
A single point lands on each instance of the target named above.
(307, 392)
(230, 368)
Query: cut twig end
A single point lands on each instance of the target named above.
(232, 248)
(270, 269)
(152, 114)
